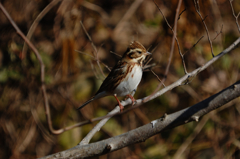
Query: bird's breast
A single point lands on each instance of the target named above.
(130, 81)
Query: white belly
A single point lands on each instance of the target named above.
(131, 82)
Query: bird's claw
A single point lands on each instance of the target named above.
(133, 99)
(121, 108)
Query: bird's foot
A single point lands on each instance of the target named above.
(121, 107)
(119, 103)
(133, 99)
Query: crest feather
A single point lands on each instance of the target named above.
(136, 44)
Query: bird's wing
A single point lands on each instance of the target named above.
(114, 78)
(110, 83)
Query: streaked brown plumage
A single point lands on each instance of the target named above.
(125, 75)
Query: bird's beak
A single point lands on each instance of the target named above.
(148, 53)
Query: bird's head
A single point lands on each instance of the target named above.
(136, 53)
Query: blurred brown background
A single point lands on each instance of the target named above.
(72, 77)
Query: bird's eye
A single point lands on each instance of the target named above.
(139, 52)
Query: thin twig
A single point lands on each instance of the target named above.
(96, 8)
(94, 71)
(193, 45)
(148, 67)
(45, 132)
(205, 18)
(99, 64)
(181, 13)
(115, 54)
(197, 8)
(149, 60)
(35, 23)
(157, 77)
(189, 140)
(43, 87)
(154, 48)
(172, 46)
(86, 54)
(132, 9)
(218, 33)
(174, 31)
(93, 59)
(89, 38)
(94, 48)
(235, 16)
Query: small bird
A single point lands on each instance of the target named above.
(125, 75)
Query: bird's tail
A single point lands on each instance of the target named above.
(84, 104)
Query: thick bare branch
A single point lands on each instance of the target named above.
(142, 133)
(97, 127)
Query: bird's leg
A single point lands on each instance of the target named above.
(132, 98)
(119, 103)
